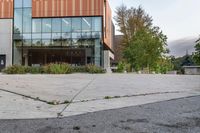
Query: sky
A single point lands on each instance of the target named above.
(176, 18)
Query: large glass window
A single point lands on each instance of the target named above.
(27, 42)
(36, 43)
(96, 24)
(76, 24)
(18, 3)
(18, 21)
(86, 24)
(27, 3)
(36, 25)
(56, 25)
(27, 20)
(46, 25)
(66, 25)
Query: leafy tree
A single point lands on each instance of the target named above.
(196, 56)
(144, 44)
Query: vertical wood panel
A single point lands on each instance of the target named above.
(56, 8)
(6, 8)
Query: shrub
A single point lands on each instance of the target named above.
(94, 69)
(15, 69)
(121, 67)
(79, 69)
(57, 68)
(35, 70)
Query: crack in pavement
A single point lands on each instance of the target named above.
(71, 101)
(126, 96)
(23, 95)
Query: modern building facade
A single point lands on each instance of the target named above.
(38, 32)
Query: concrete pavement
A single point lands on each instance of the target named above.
(28, 96)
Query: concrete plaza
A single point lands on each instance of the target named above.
(31, 96)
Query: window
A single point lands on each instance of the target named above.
(36, 25)
(56, 25)
(86, 24)
(27, 3)
(76, 24)
(18, 3)
(66, 25)
(36, 36)
(18, 21)
(27, 20)
(96, 24)
(46, 25)
(27, 42)
(26, 36)
(46, 36)
(46, 42)
(36, 42)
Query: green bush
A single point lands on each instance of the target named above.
(121, 67)
(79, 69)
(15, 69)
(94, 69)
(57, 68)
(35, 70)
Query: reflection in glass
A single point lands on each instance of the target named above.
(66, 42)
(66, 25)
(46, 42)
(18, 21)
(18, 3)
(76, 35)
(46, 36)
(56, 25)
(96, 24)
(36, 36)
(76, 24)
(27, 42)
(86, 24)
(36, 25)
(27, 19)
(36, 43)
(26, 36)
(46, 25)
(27, 3)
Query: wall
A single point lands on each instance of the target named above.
(6, 39)
(6, 8)
(192, 70)
(57, 8)
(108, 26)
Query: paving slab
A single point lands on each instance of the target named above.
(87, 92)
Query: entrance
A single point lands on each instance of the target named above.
(75, 57)
(2, 62)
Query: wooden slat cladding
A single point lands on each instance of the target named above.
(6, 8)
(58, 8)
(108, 26)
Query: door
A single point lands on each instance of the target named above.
(2, 62)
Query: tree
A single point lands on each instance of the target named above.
(131, 20)
(145, 49)
(144, 44)
(196, 55)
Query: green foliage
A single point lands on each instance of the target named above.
(58, 68)
(196, 55)
(35, 70)
(145, 49)
(94, 69)
(15, 69)
(164, 65)
(121, 67)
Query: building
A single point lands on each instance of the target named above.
(191, 70)
(38, 32)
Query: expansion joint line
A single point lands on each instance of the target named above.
(71, 101)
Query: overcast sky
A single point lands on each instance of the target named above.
(177, 18)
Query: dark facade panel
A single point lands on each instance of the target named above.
(6, 9)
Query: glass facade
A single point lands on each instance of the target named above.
(55, 33)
